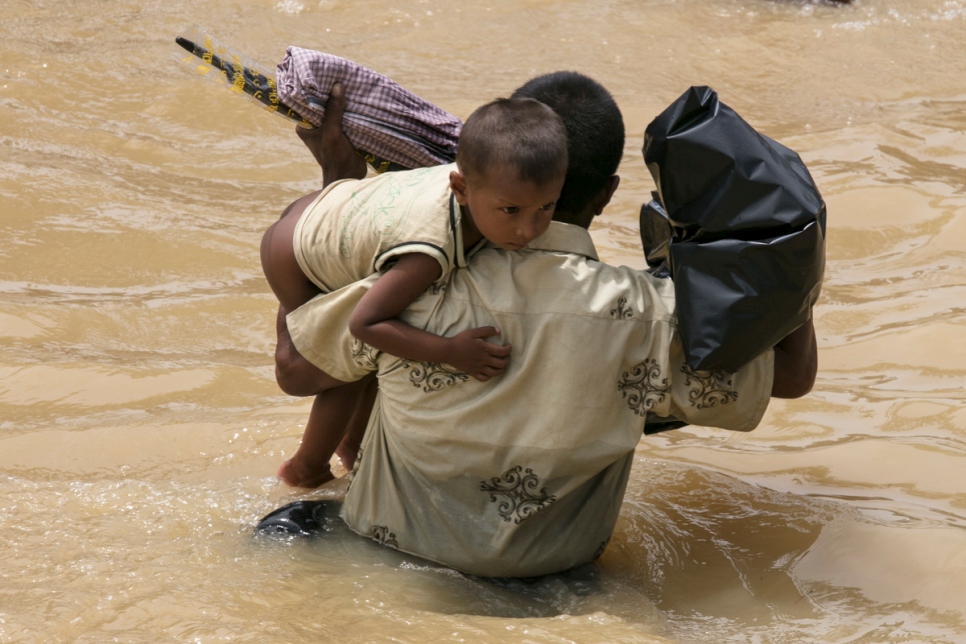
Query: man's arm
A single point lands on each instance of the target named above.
(796, 362)
(330, 146)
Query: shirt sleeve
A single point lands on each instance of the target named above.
(320, 332)
(735, 401)
(439, 237)
(442, 254)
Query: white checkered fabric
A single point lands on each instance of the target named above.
(381, 118)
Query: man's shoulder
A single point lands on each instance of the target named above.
(573, 262)
(560, 282)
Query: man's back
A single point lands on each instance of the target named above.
(524, 475)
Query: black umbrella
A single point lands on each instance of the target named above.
(262, 88)
(257, 85)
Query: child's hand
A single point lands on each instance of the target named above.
(472, 354)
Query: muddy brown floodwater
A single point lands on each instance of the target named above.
(140, 424)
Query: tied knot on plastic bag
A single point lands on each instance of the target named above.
(738, 224)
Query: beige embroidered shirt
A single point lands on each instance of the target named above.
(523, 475)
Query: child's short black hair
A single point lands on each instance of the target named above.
(595, 132)
(523, 133)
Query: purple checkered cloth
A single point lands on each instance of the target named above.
(381, 118)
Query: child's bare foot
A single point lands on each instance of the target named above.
(297, 474)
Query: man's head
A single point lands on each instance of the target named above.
(511, 162)
(595, 133)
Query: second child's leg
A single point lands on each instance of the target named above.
(348, 449)
(337, 421)
(331, 415)
(335, 401)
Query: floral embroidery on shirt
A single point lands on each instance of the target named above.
(432, 376)
(381, 534)
(622, 311)
(643, 386)
(351, 476)
(709, 388)
(436, 288)
(601, 548)
(363, 354)
(515, 492)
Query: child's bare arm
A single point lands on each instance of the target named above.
(374, 321)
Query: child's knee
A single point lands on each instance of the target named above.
(290, 375)
(296, 376)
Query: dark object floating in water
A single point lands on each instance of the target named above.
(300, 519)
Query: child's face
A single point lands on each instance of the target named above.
(507, 210)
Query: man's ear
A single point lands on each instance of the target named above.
(604, 196)
(457, 184)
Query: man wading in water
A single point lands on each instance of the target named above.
(524, 475)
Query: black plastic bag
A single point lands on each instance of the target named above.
(738, 223)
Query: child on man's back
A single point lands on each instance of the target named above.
(508, 175)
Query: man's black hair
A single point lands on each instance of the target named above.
(595, 132)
